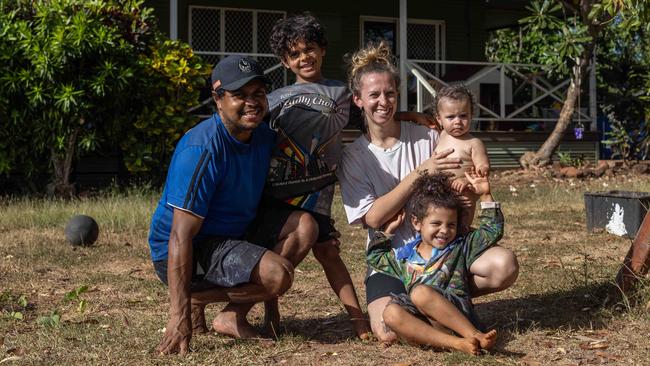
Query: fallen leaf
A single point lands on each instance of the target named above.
(561, 350)
(588, 339)
(593, 345)
(2, 341)
(607, 355)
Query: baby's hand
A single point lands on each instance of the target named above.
(391, 225)
(483, 170)
(459, 184)
(479, 182)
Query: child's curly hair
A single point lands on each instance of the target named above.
(297, 28)
(454, 92)
(432, 190)
(373, 58)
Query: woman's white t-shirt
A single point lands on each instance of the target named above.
(368, 172)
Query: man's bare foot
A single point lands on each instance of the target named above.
(486, 340)
(232, 324)
(271, 323)
(361, 328)
(468, 345)
(198, 319)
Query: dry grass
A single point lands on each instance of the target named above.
(555, 313)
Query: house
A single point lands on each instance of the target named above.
(443, 41)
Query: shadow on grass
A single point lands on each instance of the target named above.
(582, 307)
(327, 330)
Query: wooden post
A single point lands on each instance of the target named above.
(637, 260)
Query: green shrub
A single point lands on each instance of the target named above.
(77, 75)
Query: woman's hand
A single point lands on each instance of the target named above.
(439, 161)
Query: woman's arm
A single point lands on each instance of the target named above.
(386, 206)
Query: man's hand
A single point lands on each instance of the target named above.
(177, 335)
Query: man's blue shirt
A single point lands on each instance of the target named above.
(216, 177)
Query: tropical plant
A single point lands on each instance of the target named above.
(561, 36)
(78, 74)
(170, 84)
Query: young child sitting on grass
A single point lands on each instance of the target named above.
(454, 105)
(434, 266)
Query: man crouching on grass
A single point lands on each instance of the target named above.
(213, 187)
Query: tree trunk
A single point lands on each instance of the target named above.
(533, 160)
(62, 164)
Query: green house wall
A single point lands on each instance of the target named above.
(467, 22)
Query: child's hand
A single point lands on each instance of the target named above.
(391, 225)
(479, 182)
(459, 184)
(426, 121)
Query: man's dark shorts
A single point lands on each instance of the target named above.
(272, 214)
(381, 285)
(219, 262)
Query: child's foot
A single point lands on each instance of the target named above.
(271, 318)
(468, 345)
(361, 328)
(198, 319)
(486, 340)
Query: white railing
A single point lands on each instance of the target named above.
(524, 95)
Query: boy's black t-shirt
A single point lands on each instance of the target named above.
(309, 118)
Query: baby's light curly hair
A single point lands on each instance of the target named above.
(371, 59)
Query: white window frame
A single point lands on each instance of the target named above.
(440, 35)
(222, 25)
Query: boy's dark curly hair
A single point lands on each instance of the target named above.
(302, 27)
(432, 190)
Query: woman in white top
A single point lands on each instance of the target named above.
(377, 172)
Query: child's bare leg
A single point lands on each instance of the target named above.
(339, 279)
(417, 331)
(435, 306)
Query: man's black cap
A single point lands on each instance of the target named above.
(235, 71)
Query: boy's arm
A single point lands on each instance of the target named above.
(380, 256)
(480, 157)
(422, 119)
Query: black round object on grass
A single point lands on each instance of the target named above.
(81, 230)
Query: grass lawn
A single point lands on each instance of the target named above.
(556, 313)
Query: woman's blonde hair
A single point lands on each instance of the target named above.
(371, 59)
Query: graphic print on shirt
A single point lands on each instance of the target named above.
(307, 147)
